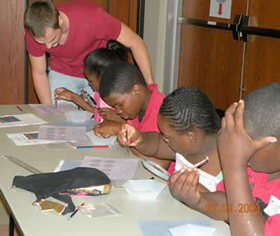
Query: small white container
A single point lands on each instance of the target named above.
(194, 230)
(101, 141)
(78, 116)
(144, 189)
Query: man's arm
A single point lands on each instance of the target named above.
(40, 78)
(138, 48)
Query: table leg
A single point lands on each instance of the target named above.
(11, 226)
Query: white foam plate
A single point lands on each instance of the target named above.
(144, 189)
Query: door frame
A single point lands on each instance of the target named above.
(172, 46)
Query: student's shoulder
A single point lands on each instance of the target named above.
(157, 94)
(256, 176)
(154, 89)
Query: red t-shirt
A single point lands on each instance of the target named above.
(263, 193)
(90, 27)
(149, 121)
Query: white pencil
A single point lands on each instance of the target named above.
(201, 163)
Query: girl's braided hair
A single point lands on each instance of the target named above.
(189, 108)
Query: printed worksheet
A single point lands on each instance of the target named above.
(49, 109)
(66, 133)
(20, 120)
(28, 138)
(115, 168)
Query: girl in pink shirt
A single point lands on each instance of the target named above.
(95, 64)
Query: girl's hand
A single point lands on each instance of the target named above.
(106, 129)
(63, 93)
(131, 133)
(109, 114)
(184, 186)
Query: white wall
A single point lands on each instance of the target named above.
(162, 37)
(154, 36)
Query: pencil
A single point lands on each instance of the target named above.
(55, 103)
(97, 146)
(197, 165)
(201, 163)
(19, 108)
(71, 216)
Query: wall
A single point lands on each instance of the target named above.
(154, 36)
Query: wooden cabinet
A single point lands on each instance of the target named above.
(12, 52)
(224, 68)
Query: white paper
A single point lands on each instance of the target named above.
(220, 8)
(28, 138)
(66, 133)
(273, 206)
(49, 109)
(115, 168)
(20, 120)
(208, 181)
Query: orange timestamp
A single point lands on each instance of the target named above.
(228, 208)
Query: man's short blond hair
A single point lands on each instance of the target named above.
(41, 15)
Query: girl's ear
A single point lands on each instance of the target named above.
(191, 137)
(136, 90)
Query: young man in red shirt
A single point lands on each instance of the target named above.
(68, 32)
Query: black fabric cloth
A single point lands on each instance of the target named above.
(46, 185)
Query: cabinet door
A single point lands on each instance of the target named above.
(12, 52)
(124, 10)
(213, 61)
(262, 57)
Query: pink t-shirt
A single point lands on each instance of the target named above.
(101, 104)
(90, 27)
(263, 192)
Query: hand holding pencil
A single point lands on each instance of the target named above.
(184, 184)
